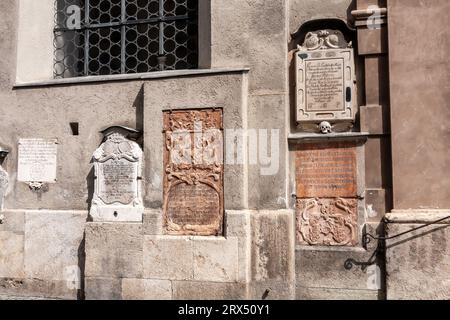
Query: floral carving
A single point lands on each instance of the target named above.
(193, 158)
(331, 222)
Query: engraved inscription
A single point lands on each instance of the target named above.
(331, 222)
(193, 180)
(37, 160)
(326, 170)
(117, 166)
(325, 85)
(185, 207)
(325, 81)
(119, 181)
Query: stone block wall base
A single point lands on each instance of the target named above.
(418, 263)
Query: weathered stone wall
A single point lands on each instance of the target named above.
(45, 236)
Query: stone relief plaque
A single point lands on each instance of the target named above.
(193, 180)
(37, 160)
(117, 188)
(327, 202)
(331, 222)
(326, 170)
(325, 73)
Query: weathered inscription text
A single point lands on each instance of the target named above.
(37, 160)
(326, 170)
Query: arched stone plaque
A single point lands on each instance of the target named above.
(117, 164)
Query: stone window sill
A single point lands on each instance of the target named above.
(128, 77)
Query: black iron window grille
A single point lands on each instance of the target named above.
(104, 37)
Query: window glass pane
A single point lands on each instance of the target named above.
(124, 36)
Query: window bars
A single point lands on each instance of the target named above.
(103, 37)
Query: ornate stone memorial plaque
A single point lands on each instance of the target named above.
(193, 180)
(331, 222)
(326, 170)
(325, 78)
(37, 160)
(327, 204)
(117, 165)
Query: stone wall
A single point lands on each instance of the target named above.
(51, 249)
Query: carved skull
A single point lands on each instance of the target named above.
(325, 127)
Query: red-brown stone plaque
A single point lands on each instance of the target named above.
(327, 204)
(331, 222)
(193, 180)
(326, 170)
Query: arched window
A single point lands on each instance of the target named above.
(104, 37)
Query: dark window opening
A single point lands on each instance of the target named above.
(104, 37)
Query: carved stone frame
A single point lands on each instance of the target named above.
(210, 175)
(360, 186)
(326, 45)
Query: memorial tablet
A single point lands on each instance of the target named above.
(117, 165)
(327, 201)
(325, 78)
(37, 159)
(193, 180)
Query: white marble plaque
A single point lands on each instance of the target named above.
(118, 181)
(117, 164)
(325, 89)
(37, 160)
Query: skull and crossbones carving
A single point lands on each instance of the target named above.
(325, 127)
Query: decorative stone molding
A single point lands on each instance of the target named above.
(325, 82)
(324, 39)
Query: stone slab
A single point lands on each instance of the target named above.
(193, 290)
(153, 222)
(193, 179)
(168, 257)
(326, 170)
(114, 250)
(53, 243)
(146, 289)
(216, 259)
(13, 220)
(325, 269)
(327, 222)
(272, 290)
(418, 263)
(305, 293)
(103, 288)
(272, 253)
(36, 288)
(11, 254)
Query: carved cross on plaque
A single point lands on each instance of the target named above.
(325, 89)
(117, 188)
(193, 180)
